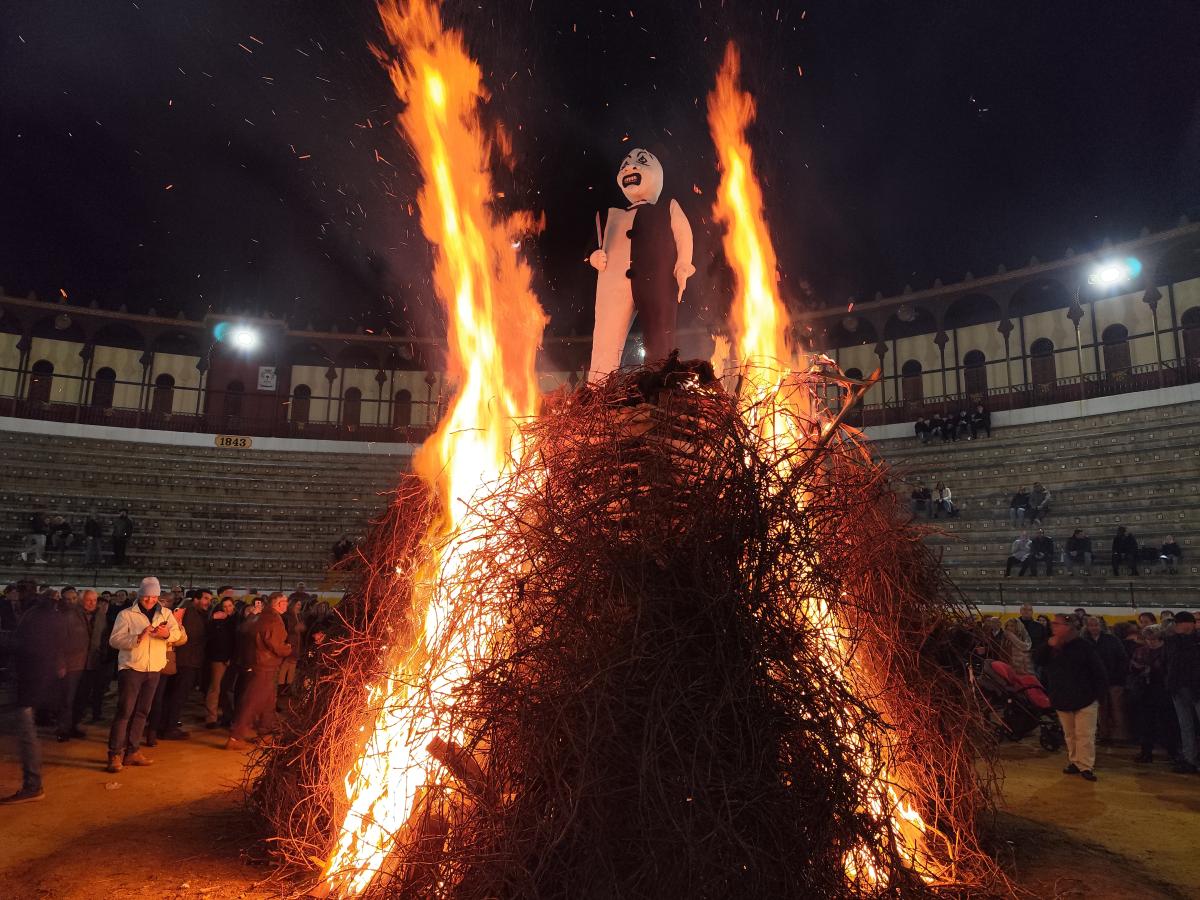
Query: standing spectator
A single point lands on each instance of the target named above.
(1017, 505)
(1039, 504)
(1042, 552)
(1018, 554)
(981, 420)
(189, 661)
(77, 628)
(38, 648)
(1079, 548)
(1076, 681)
(1153, 713)
(1017, 646)
(256, 705)
(61, 536)
(1124, 549)
(93, 681)
(10, 614)
(922, 430)
(1116, 668)
(1169, 555)
(1038, 633)
(301, 593)
(220, 643)
(140, 635)
(93, 535)
(35, 540)
(122, 531)
(342, 548)
(294, 623)
(1183, 683)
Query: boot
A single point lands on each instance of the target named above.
(137, 759)
(114, 763)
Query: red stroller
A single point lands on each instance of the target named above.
(1019, 704)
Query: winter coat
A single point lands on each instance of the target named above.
(1076, 545)
(1075, 676)
(38, 655)
(1020, 500)
(1036, 631)
(81, 638)
(148, 654)
(270, 641)
(1171, 551)
(122, 527)
(221, 639)
(1043, 547)
(191, 654)
(1039, 497)
(1124, 544)
(1112, 654)
(1183, 663)
(1021, 548)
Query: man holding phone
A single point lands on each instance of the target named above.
(140, 635)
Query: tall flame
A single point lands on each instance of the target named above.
(495, 328)
(771, 371)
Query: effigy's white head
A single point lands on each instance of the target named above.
(640, 177)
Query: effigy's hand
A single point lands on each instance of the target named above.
(598, 260)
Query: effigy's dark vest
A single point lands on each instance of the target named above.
(652, 255)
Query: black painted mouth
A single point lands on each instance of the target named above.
(631, 179)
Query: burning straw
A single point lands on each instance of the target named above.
(698, 670)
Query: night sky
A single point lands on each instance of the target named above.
(229, 154)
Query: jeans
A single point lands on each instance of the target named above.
(1016, 514)
(1079, 728)
(1187, 709)
(31, 750)
(212, 697)
(135, 695)
(68, 687)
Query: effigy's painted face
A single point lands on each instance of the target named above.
(640, 177)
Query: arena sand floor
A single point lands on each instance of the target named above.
(173, 830)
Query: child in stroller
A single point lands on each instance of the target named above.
(1019, 704)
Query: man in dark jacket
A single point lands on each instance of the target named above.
(93, 535)
(1124, 549)
(221, 642)
(1079, 548)
(122, 531)
(1042, 551)
(189, 661)
(256, 704)
(981, 420)
(93, 681)
(1075, 680)
(1116, 667)
(39, 664)
(1035, 629)
(1183, 682)
(77, 641)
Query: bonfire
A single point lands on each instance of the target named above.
(666, 636)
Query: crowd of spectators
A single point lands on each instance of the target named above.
(53, 534)
(231, 654)
(1135, 684)
(968, 424)
(1028, 554)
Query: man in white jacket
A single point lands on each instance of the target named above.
(140, 634)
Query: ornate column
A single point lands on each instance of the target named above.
(1151, 298)
(941, 338)
(1005, 328)
(381, 380)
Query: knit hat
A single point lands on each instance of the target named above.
(150, 587)
(1184, 617)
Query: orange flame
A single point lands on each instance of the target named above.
(495, 328)
(771, 370)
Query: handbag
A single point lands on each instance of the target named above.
(169, 668)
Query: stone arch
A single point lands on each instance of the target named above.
(972, 309)
(231, 404)
(301, 402)
(912, 389)
(975, 375)
(41, 381)
(402, 409)
(1190, 325)
(352, 407)
(1038, 296)
(1115, 341)
(162, 400)
(1042, 365)
(104, 384)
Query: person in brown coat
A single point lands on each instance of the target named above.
(256, 704)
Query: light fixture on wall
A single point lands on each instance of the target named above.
(1114, 272)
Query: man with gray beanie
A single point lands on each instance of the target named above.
(140, 635)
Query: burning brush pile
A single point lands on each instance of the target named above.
(674, 663)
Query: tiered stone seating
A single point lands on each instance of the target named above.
(1140, 469)
(203, 514)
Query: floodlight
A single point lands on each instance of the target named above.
(1114, 272)
(243, 337)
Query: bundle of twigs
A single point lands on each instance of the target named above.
(702, 666)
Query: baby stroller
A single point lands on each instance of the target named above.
(1019, 704)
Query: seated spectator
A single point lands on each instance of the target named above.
(1039, 504)
(922, 430)
(1017, 647)
(1124, 549)
(1017, 505)
(1169, 555)
(1042, 551)
(922, 499)
(981, 420)
(1153, 714)
(35, 540)
(1079, 548)
(963, 426)
(943, 501)
(942, 425)
(1022, 547)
